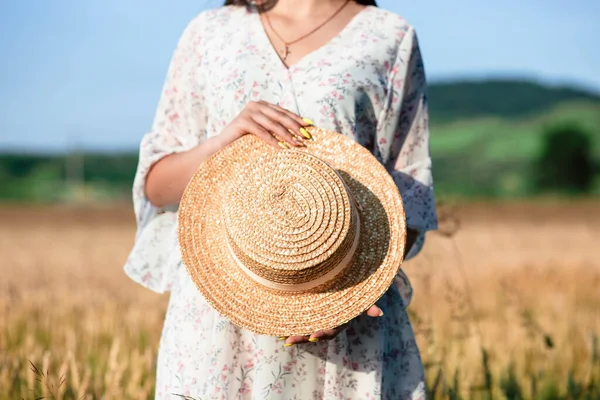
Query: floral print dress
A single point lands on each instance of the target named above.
(367, 83)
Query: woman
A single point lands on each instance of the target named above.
(270, 70)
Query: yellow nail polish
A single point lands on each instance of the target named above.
(313, 340)
(283, 338)
(308, 121)
(381, 313)
(288, 344)
(305, 133)
(283, 145)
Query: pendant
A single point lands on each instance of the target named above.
(284, 53)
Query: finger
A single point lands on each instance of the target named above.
(292, 340)
(301, 121)
(253, 128)
(291, 121)
(266, 120)
(323, 335)
(374, 311)
(327, 334)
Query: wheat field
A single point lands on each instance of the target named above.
(506, 305)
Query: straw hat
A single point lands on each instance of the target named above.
(290, 242)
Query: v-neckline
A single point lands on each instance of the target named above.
(305, 58)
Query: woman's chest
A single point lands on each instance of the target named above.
(345, 78)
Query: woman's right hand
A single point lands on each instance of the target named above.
(168, 178)
(269, 122)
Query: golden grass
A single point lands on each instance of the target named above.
(508, 305)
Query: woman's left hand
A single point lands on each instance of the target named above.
(329, 334)
(374, 311)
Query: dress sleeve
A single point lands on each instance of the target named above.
(403, 138)
(179, 125)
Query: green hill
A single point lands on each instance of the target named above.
(494, 156)
(498, 98)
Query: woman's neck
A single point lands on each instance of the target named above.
(305, 8)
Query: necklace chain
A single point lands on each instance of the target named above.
(286, 50)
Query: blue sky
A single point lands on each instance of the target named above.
(89, 73)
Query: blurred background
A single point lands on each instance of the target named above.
(507, 292)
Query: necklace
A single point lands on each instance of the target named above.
(285, 51)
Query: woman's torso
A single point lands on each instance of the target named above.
(342, 85)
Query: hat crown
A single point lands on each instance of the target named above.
(290, 220)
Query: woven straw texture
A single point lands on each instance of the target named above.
(290, 217)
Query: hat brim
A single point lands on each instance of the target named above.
(249, 305)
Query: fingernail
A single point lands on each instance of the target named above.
(313, 339)
(308, 121)
(288, 344)
(305, 133)
(381, 313)
(294, 134)
(283, 145)
(283, 338)
(299, 142)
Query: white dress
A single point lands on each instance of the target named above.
(367, 83)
